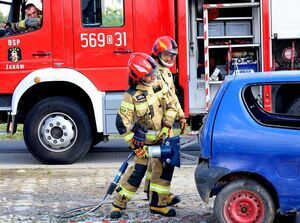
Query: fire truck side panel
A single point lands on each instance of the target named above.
(62, 34)
(101, 53)
(27, 58)
(285, 19)
(182, 38)
(196, 85)
(150, 24)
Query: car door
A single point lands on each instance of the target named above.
(103, 41)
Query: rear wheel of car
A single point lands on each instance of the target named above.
(244, 201)
(57, 130)
(294, 109)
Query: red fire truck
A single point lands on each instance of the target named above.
(64, 81)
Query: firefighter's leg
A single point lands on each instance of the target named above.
(160, 187)
(129, 184)
(147, 180)
(171, 199)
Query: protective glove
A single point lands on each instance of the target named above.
(166, 131)
(139, 136)
(183, 125)
(142, 152)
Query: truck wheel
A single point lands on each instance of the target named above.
(57, 131)
(294, 109)
(244, 201)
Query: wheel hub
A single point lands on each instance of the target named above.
(57, 132)
(244, 207)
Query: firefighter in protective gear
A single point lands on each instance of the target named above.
(146, 109)
(164, 51)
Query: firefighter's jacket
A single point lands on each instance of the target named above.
(152, 106)
(167, 77)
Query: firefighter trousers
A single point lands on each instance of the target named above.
(160, 182)
(130, 182)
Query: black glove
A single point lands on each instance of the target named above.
(139, 136)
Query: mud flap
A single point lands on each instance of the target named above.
(206, 177)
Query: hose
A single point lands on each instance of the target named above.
(80, 211)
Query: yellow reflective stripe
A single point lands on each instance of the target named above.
(159, 189)
(126, 193)
(150, 137)
(141, 106)
(148, 175)
(128, 137)
(171, 113)
(127, 105)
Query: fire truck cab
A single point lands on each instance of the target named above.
(65, 79)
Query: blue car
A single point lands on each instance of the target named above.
(249, 155)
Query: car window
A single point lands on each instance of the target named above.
(102, 13)
(285, 104)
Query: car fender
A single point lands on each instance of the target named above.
(206, 177)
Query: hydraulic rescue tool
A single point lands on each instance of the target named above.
(168, 151)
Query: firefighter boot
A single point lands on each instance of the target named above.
(172, 199)
(115, 212)
(169, 212)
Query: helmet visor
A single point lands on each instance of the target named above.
(167, 58)
(150, 78)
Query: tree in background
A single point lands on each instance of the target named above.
(3, 19)
(112, 17)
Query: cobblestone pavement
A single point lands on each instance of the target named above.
(39, 195)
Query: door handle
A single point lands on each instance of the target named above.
(122, 51)
(41, 54)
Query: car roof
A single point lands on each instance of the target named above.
(267, 77)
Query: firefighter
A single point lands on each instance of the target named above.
(164, 51)
(147, 111)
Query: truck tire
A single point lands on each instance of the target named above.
(244, 201)
(57, 130)
(294, 109)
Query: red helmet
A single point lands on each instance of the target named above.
(139, 66)
(166, 45)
